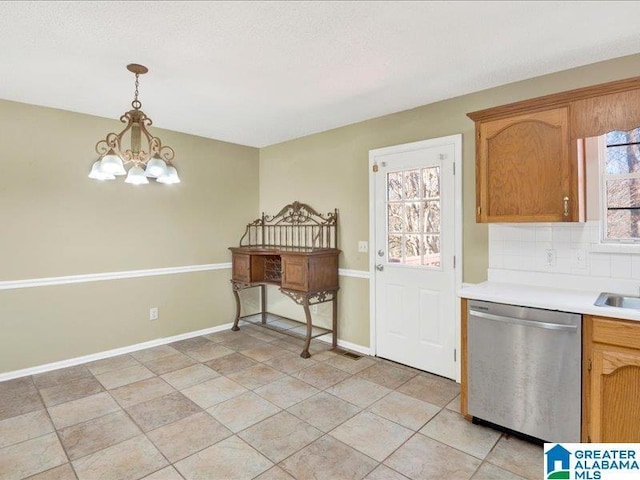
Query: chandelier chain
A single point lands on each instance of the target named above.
(137, 104)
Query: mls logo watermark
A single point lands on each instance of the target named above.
(592, 461)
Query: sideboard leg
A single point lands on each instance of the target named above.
(334, 340)
(235, 327)
(263, 303)
(307, 312)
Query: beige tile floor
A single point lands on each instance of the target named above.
(244, 405)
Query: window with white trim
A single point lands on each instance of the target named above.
(620, 187)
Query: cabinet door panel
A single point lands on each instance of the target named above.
(241, 267)
(294, 273)
(323, 272)
(615, 388)
(524, 170)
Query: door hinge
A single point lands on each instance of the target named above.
(455, 355)
(454, 168)
(375, 168)
(589, 365)
(454, 261)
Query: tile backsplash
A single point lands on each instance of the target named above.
(559, 248)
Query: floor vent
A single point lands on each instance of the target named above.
(344, 353)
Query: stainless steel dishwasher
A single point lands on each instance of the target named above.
(524, 369)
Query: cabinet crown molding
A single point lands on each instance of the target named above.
(555, 99)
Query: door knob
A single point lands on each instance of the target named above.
(379, 267)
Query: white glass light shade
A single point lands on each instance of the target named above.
(136, 176)
(97, 174)
(112, 164)
(156, 167)
(171, 176)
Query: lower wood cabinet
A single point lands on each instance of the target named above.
(611, 382)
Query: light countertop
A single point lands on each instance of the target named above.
(544, 297)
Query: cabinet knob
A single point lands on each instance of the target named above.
(566, 206)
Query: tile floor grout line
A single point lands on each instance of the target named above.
(503, 435)
(55, 430)
(358, 375)
(58, 370)
(455, 448)
(339, 425)
(337, 440)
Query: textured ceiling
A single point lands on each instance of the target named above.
(258, 73)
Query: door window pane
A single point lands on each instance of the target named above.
(432, 250)
(394, 186)
(412, 210)
(431, 217)
(396, 217)
(395, 248)
(413, 250)
(413, 217)
(431, 182)
(411, 184)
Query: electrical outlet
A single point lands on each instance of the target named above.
(550, 257)
(153, 313)
(363, 246)
(314, 308)
(578, 259)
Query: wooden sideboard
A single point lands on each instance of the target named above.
(294, 250)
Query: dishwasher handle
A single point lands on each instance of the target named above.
(524, 323)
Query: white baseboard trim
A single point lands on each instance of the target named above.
(98, 277)
(354, 273)
(141, 346)
(109, 353)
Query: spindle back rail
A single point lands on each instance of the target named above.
(297, 225)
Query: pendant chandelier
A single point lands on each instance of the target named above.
(152, 160)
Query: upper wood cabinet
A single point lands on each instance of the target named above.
(529, 165)
(517, 155)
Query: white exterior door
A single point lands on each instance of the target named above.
(414, 248)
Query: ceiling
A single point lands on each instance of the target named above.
(258, 73)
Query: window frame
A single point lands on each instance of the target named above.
(604, 241)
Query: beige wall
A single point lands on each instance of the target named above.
(330, 169)
(56, 222)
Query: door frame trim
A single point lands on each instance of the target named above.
(376, 154)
